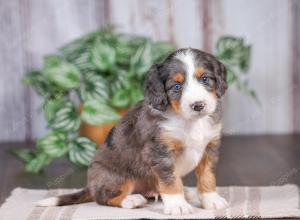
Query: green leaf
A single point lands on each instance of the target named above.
(30, 78)
(124, 49)
(245, 60)
(77, 52)
(138, 41)
(161, 50)
(254, 96)
(94, 87)
(96, 112)
(235, 54)
(66, 118)
(121, 99)
(103, 56)
(244, 86)
(83, 63)
(230, 49)
(71, 50)
(231, 76)
(36, 164)
(142, 60)
(118, 80)
(24, 154)
(51, 106)
(53, 145)
(37, 80)
(64, 75)
(136, 95)
(81, 151)
(52, 61)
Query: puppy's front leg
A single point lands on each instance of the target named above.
(171, 189)
(206, 182)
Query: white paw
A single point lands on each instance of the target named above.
(212, 200)
(176, 205)
(133, 201)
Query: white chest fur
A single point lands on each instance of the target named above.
(195, 135)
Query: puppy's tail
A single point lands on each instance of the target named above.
(67, 199)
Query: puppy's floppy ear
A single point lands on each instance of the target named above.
(155, 94)
(220, 74)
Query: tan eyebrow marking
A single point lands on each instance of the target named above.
(178, 77)
(199, 72)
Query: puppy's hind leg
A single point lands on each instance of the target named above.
(124, 198)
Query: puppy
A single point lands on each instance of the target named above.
(175, 130)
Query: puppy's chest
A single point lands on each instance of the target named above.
(194, 137)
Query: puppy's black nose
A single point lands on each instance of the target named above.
(197, 106)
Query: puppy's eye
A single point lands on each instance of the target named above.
(204, 80)
(177, 87)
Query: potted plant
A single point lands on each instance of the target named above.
(92, 81)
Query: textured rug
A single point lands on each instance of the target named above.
(245, 202)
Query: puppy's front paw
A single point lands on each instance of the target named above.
(133, 201)
(212, 200)
(176, 205)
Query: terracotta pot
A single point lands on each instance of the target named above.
(98, 133)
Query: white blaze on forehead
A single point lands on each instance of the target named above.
(188, 59)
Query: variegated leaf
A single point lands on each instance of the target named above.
(103, 56)
(230, 49)
(161, 50)
(96, 112)
(94, 87)
(81, 151)
(51, 106)
(39, 162)
(66, 118)
(142, 60)
(121, 99)
(65, 75)
(53, 144)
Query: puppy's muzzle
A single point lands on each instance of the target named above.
(198, 106)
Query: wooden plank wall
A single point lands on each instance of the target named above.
(32, 28)
(267, 25)
(296, 64)
(48, 25)
(29, 30)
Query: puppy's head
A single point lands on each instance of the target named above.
(189, 82)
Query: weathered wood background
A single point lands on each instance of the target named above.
(32, 28)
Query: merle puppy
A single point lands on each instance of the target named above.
(174, 131)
